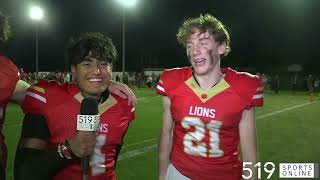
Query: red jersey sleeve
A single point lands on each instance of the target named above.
(36, 98)
(161, 86)
(9, 76)
(132, 113)
(250, 87)
(171, 79)
(257, 92)
(127, 110)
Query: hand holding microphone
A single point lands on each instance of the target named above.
(88, 121)
(82, 145)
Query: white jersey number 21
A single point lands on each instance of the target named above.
(192, 140)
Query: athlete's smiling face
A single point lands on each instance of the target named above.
(92, 76)
(203, 52)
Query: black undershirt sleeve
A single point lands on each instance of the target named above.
(35, 126)
(33, 163)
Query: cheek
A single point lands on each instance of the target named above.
(109, 69)
(188, 55)
(207, 50)
(210, 52)
(106, 72)
(81, 76)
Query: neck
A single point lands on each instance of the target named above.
(100, 98)
(90, 95)
(209, 80)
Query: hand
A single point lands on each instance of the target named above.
(83, 143)
(123, 91)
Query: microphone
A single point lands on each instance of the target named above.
(88, 120)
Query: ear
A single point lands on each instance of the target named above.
(222, 48)
(111, 68)
(74, 70)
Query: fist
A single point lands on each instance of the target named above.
(82, 144)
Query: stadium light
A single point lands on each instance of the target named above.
(36, 14)
(125, 4)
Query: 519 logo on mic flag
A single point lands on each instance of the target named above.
(88, 122)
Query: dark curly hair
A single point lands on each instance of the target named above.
(204, 23)
(94, 45)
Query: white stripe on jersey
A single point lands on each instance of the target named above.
(133, 109)
(37, 96)
(160, 88)
(257, 96)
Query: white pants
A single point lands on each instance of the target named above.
(174, 174)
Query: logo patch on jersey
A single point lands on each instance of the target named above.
(204, 96)
(202, 111)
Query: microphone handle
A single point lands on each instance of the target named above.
(85, 167)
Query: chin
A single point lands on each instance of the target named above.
(95, 92)
(200, 71)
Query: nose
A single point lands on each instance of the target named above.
(194, 50)
(96, 69)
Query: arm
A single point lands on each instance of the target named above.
(123, 91)
(165, 143)
(19, 92)
(32, 154)
(248, 139)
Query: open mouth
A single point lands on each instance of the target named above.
(95, 80)
(199, 61)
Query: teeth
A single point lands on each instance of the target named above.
(198, 60)
(95, 80)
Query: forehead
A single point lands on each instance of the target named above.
(88, 58)
(197, 35)
(93, 59)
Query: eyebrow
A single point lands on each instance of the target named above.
(200, 39)
(204, 38)
(87, 59)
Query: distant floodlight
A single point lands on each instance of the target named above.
(36, 13)
(127, 3)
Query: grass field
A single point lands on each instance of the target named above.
(288, 131)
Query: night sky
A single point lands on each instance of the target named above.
(265, 33)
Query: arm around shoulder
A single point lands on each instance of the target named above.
(123, 91)
(19, 92)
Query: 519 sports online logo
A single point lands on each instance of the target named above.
(286, 170)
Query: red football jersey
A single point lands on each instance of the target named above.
(206, 131)
(60, 105)
(9, 76)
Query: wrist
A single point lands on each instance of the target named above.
(65, 151)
